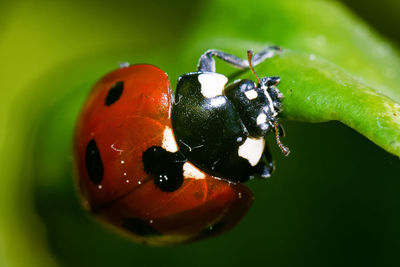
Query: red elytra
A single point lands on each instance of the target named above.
(126, 196)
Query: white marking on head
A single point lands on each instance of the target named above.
(212, 84)
(190, 171)
(271, 104)
(252, 150)
(251, 94)
(168, 142)
(262, 118)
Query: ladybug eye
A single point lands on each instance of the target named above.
(114, 93)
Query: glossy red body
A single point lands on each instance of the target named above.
(127, 197)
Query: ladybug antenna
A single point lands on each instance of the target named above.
(249, 57)
(284, 149)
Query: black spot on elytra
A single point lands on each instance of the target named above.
(94, 164)
(166, 167)
(140, 227)
(114, 93)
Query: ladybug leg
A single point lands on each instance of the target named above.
(207, 62)
(266, 165)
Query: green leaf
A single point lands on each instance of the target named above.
(317, 91)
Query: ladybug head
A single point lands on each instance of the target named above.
(273, 102)
(272, 95)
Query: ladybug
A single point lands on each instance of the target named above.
(167, 170)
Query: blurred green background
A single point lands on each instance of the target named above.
(334, 202)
